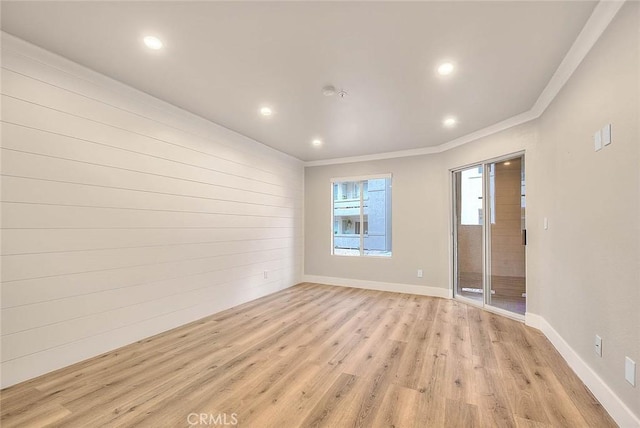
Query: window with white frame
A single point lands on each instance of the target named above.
(361, 216)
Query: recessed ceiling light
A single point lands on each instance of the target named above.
(153, 42)
(266, 111)
(445, 68)
(317, 142)
(449, 122)
(507, 163)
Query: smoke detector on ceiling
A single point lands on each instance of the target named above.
(328, 90)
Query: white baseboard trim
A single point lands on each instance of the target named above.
(533, 320)
(609, 400)
(422, 290)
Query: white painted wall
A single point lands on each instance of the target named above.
(421, 202)
(419, 223)
(583, 273)
(124, 216)
(588, 261)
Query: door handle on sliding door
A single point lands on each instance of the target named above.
(524, 236)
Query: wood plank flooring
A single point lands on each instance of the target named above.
(320, 356)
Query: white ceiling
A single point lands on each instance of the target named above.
(225, 60)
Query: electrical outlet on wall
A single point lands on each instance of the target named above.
(606, 135)
(597, 140)
(419, 273)
(630, 370)
(265, 274)
(598, 346)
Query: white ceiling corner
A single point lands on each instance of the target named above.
(224, 60)
(598, 22)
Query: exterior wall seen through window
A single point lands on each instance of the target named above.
(362, 217)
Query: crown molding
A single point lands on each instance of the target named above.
(197, 125)
(600, 18)
(489, 130)
(378, 156)
(597, 23)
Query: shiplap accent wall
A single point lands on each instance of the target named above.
(124, 216)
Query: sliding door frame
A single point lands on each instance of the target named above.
(486, 234)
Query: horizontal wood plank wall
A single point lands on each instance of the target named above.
(123, 216)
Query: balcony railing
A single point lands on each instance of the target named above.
(349, 207)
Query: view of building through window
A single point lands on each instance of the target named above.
(471, 201)
(362, 217)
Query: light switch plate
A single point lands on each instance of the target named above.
(606, 135)
(597, 140)
(630, 370)
(419, 273)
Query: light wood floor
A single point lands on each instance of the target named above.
(316, 355)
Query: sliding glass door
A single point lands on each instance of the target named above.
(490, 235)
(469, 231)
(507, 235)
